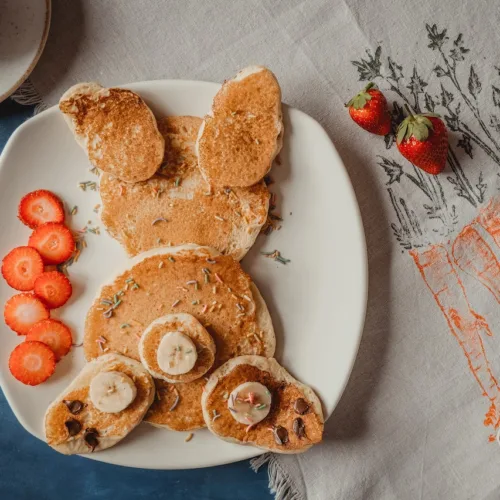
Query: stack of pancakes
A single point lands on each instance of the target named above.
(186, 199)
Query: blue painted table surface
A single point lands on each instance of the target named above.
(29, 469)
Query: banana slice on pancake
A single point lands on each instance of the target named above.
(253, 400)
(112, 392)
(177, 348)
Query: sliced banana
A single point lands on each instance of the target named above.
(112, 392)
(176, 354)
(250, 403)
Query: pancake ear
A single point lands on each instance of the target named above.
(244, 132)
(116, 129)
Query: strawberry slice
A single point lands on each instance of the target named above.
(39, 207)
(21, 267)
(54, 288)
(54, 333)
(32, 362)
(22, 311)
(54, 242)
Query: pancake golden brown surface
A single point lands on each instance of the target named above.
(73, 424)
(240, 139)
(116, 128)
(295, 419)
(177, 206)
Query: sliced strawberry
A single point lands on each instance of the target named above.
(22, 311)
(54, 333)
(53, 288)
(20, 268)
(54, 242)
(39, 207)
(32, 362)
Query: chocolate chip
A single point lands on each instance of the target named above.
(299, 428)
(301, 406)
(280, 435)
(90, 438)
(73, 426)
(75, 407)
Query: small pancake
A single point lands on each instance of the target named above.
(111, 427)
(240, 139)
(285, 391)
(229, 220)
(188, 325)
(155, 285)
(116, 128)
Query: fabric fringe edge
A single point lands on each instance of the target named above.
(280, 482)
(27, 95)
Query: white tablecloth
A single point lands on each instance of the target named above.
(420, 414)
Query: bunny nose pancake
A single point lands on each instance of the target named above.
(177, 348)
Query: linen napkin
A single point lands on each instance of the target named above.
(420, 415)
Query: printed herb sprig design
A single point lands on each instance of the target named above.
(371, 68)
(408, 230)
(438, 41)
(451, 98)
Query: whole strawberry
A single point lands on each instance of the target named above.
(423, 140)
(369, 110)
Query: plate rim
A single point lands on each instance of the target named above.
(250, 451)
(39, 52)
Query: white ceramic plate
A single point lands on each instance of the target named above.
(24, 26)
(317, 301)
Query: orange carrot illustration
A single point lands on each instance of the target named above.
(474, 256)
(489, 218)
(465, 324)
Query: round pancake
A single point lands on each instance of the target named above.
(240, 139)
(188, 325)
(111, 427)
(235, 315)
(229, 220)
(285, 391)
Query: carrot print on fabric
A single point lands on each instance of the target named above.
(428, 211)
(465, 324)
(489, 218)
(475, 257)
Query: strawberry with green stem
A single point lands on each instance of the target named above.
(369, 110)
(423, 140)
